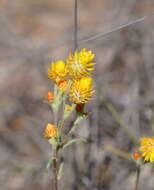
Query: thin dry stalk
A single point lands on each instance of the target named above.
(76, 25)
(55, 161)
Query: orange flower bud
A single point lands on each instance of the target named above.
(62, 85)
(79, 108)
(136, 155)
(50, 131)
(50, 96)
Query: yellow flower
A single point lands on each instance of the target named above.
(57, 71)
(80, 64)
(147, 148)
(50, 131)
(81, 90)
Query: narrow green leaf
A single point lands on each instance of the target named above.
(47, 102)
(73, 141)
(49, 164)
(79, 118)
(53, 141)
(60, 171)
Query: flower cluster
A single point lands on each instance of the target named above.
(76, 70)
(72, 80)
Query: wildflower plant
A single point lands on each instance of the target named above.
(73, 88)
(144, 155)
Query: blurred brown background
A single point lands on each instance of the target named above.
(36, 32)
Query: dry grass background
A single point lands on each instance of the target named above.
(35, 32)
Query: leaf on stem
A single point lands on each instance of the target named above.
(60, 171)
(47, 102)
(68, 143)
(50, 161)
(79, 118)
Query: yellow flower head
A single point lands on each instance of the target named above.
(147, 148)
(57, 71)
(81, 90)
(80, 64)
(50, 131)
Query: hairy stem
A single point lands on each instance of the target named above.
(55, 170)
(137, 177)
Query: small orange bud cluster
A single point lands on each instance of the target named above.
(136, 155)
(50, 131)
(50, 96)
(62, 85)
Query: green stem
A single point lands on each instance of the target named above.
(54, 110)
(55, 150)
(137, 177)
(73, 127)
(55, 169)
(118, 152)
(64, 103)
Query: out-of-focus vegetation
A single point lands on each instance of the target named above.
(35, 32)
